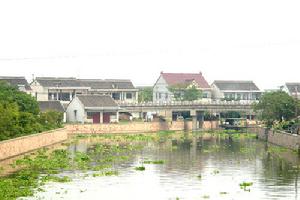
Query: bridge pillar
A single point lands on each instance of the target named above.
(194, 116)
(167, 114)
(200, 117)
(194, 123)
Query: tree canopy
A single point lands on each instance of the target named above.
(185, 92)
(20, 114)
(276, 106)
(145, 94)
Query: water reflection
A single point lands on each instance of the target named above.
(196, 167)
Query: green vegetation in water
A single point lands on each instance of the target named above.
(108, 173)
(245, 186)
(155, 162)
(140, 168)
(36, 169)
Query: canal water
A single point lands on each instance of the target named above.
(195, 167)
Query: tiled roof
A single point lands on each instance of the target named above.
(97, 101)
(51, 105)
(183, 78)
(16, 81)
(107, 84)
(58, 82)
(85, 83)
(236, 85)
(293, 87)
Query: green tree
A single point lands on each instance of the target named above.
(145, 94)
(26, 102)
(185, 92)
(192, 93)
(276, 106)
(8, 120)
(20, 114)
(51, 119)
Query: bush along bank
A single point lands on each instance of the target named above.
(20, 114)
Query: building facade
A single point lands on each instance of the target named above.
(161, 89)
(65, 89)
(293, 89)
(96, 109)
(235, 90)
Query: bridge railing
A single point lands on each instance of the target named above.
(186, 103)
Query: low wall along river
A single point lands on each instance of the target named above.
(21, 145)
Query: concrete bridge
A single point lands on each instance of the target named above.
(212, 107)
(196, 109)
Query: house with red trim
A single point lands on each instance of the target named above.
(161, 89)
(94, 109)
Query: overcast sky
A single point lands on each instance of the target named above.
(136, 39)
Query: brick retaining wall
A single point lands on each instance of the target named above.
(21, 145)
(134, 127)
(284, 139)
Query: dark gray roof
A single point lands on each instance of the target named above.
(97, 101)
(91, 83)
(236, 85)
(107, 84)
(16, 81)
(51, 105)
(293, 87)
(58, 82)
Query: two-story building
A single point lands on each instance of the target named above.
(162, 92)
(293, 89)
(20, 82)
(65, 89)
(118, 89)
(235, 90)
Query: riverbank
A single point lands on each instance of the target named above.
(25, 144)
(280, 138)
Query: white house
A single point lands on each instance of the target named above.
(162, 93)
(93, 109)
(235, 90)
(293, 89)
(65, 89)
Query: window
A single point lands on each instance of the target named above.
(204, 95)
(128, 95)
(64, 96)
(167, 96)
(116, 96)
(159, 95)
(52, 96)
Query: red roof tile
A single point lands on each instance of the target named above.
(181, 78)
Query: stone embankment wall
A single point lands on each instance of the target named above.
(135, 127)
(280, 138)
(21, 145)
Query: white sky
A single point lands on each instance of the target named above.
(225, 39)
